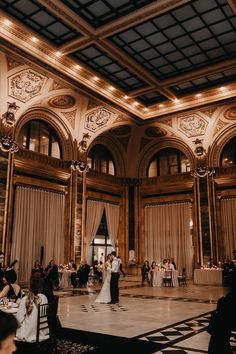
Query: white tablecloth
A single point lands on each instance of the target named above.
(65, 279)
(157, 275)
(208, 276)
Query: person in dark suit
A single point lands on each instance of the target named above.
(114, 283)
(52, 274)
(8, 327)
(145, 272)
(222, 321)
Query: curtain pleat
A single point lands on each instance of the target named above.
(167, 234)
(228, 226)
(112, 215)
(38, 222)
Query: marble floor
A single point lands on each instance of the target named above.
(175, 317)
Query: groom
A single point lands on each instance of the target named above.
(115, 268)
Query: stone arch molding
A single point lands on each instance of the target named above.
(155, 147)
(55, 122)
(111, 145)
(218, 145)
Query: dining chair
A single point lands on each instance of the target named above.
(167, 278)
(182, 278)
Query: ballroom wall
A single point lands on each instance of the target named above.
(199, 133)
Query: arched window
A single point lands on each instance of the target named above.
(168, 161)
(100, 159)
(228, 155)
(38, 136)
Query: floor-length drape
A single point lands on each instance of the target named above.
(167, 234)
(38, 222)
(228, 226)
(93, 219)
(112, 215)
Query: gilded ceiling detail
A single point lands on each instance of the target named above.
(98, 118)
(12, 63)
(62, 101)
(230, 113)
(70, 116)
(121, 118)
(25, 85)
(92, 104)
(209, 112)
(167, 122)
(192, 125)
(155, 132)
(220, 125)
(56, 86)
(121, 130)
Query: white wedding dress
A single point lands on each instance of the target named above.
(105, 294)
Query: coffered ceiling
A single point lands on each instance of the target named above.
(147, 57)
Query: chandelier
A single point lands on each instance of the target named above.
(203, 171)
(7, 123)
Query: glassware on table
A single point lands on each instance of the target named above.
(5, 301)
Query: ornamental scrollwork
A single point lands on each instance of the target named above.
(193, 126)
(98, 118)
(25, 85)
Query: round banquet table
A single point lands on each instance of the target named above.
(157, 276)
(65, 279)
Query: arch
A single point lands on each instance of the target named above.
(219, 144)
(154, 147)
(55, 122)
(111, 145)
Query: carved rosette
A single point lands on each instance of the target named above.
(193, 125)
(25, 85)
(230, 113)
(98, 118)
(62, 102)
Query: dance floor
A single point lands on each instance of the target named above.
(173, 320)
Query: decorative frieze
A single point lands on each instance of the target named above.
(62, 101)
(220, 125)
(193, 125)
(70, 116)
(25, 85)
(98, 118)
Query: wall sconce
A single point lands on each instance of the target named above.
(203, 171)
(8, 118)
(7, 124)
(81, 164)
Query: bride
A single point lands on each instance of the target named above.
(105, 293)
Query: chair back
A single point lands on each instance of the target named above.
(168, 274)
(42, 320)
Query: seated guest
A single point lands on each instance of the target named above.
(52, 274)
(11, 289)
(8, 327)
(28, 313)
(37, 268)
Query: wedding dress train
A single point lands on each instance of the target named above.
(105, 294)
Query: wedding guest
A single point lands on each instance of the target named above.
(52, 274)
(11, 289)
(169, 265)
(114, 283)
(172, 261)
(145, 272)
(37, 268)
(8, 327)
(27, 313)
(153, 265)
(222, 321)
